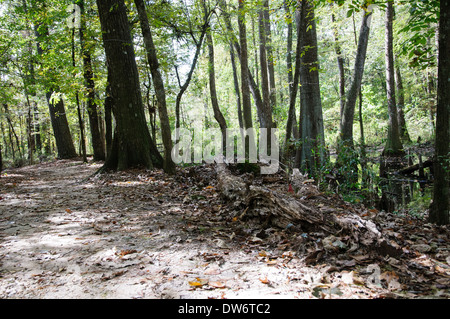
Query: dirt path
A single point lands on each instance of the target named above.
(142, 234)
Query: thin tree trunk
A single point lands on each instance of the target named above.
(96, 137)
(404, 135)
(252, 83)
(393, 143)
(245, 72)
(340, 62)
(267, 109)
(294, 87)
(169, 165)
(352, 94)
(212, 90)
(269, 55)
(77, 99)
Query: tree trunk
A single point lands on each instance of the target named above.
(269, 55)
(291, 125)
(263, 58)
(311, 153)
(340, 62)
(245, 72)
(440, 210)
(352, 94)
(96, 137)
(132, 145)
(77, 100)
(393, 145)
(251, 81)
(212, 90)
(294, 87)
(158, 83)
(392, 155)
(404, 135)
(60, 125)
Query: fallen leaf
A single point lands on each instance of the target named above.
(69, 211)
(217, 284)
(199, 282)
(264, 280)
(262, 253)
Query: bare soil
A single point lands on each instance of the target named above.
(67, 233)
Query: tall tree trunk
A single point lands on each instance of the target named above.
(404, 135)
(266, 92)
(60, 125)
(440, 210)
(96, 137)
(77, 99)
(252, 83)
(393, 145)
(352, 93)
(269, 55)
(340, 62)
(294, 87)
(392, 155)
(245, 72)
(132, 145)
(158, 83)
(212, 90)
(236, 87)
(311, 153)
(291, 125)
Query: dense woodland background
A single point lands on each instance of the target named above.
(352, 86)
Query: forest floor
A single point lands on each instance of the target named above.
(66, 233)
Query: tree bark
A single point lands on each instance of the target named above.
(158, 83)
(269, 55)
(340, 62)
(352, 94)
(294, 87)
(393, 145)
(96, 137)
(404, 135)
(212, 90)
(311, 153)
(265, 78)
(132, 145)
(440, 210)
(291, 124)
(245, 72)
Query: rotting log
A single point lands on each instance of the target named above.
(283, 211)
